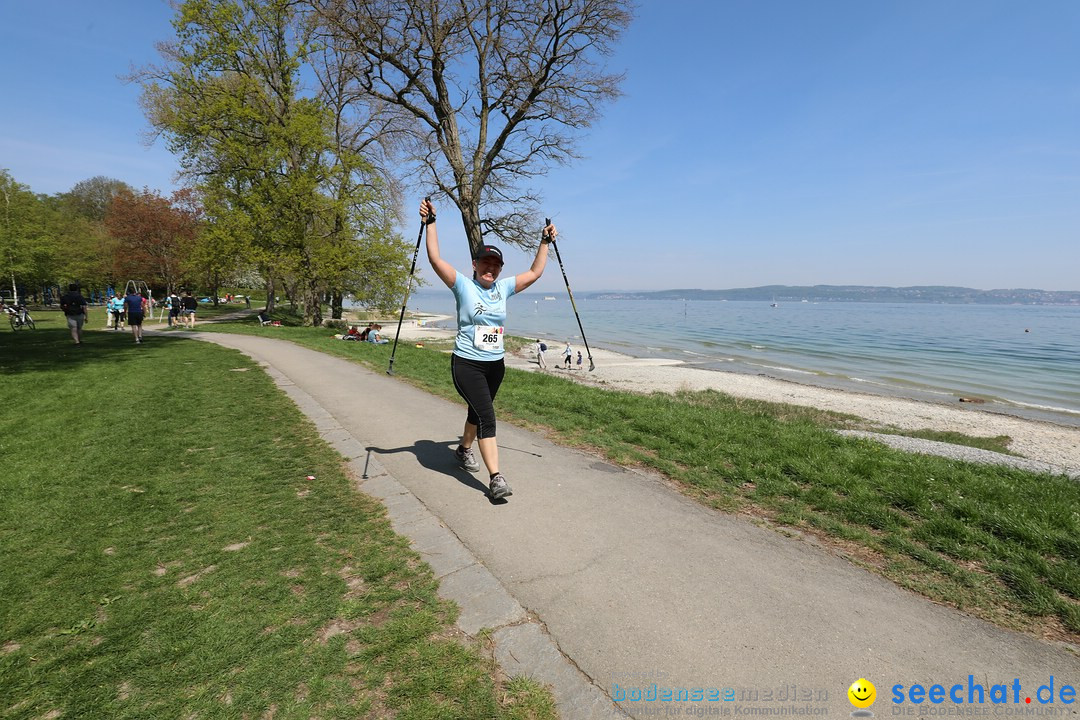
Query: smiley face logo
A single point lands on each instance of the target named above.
(862, 693)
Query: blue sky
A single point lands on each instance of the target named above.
(902, 142)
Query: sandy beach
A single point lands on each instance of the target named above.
(1045, 442)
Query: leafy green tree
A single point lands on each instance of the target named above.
(85, 250)
(260, 147)
(29, 251)
(91, 198)
(223, 247)
(89, 251)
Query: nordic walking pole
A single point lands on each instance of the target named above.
(408, 289)
(592, 365)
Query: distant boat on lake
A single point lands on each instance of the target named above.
(549, 297)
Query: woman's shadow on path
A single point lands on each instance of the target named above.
(439, 457)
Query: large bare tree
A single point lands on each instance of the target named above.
(487, 94)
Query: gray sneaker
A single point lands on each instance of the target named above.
(467, 459)
(499, 488)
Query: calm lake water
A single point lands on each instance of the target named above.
(1024, 360)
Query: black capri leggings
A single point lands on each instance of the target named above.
(477, 381)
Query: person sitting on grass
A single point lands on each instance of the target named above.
(375, 335)
(354, 334)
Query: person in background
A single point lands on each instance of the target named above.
(174, 309)
(188, 306)
(539, 348)
(375, 335)
(568, 353)
(115, 308)
(133, 302)
(75, 310)
(579, 359)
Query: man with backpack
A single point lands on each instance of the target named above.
(540, 348)
(173, 303)
(75, 310)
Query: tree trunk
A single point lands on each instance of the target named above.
(291, 292)
(312, 304)
(269, 293)
(214, 280)
(337, 301)
(470, 219)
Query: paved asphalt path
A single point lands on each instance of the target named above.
(632, 584)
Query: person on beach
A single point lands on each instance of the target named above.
(568, 353)
(540, 348)
(476, 364)
(579, 359)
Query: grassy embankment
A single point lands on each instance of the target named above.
(1003, 544)
(166, 555)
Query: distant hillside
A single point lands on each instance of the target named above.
(865, 293)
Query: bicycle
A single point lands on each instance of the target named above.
(20, 317)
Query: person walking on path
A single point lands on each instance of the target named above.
(189, 306)
(133, 301)
(75, 310)
(115, 307)
(173, 303)
(476, 365)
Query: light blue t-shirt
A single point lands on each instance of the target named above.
(479, 307)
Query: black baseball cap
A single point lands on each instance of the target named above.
(489, 251)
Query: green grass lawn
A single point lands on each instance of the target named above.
(1001, 543)
(167, 556)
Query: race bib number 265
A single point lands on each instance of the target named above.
(488, 338)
